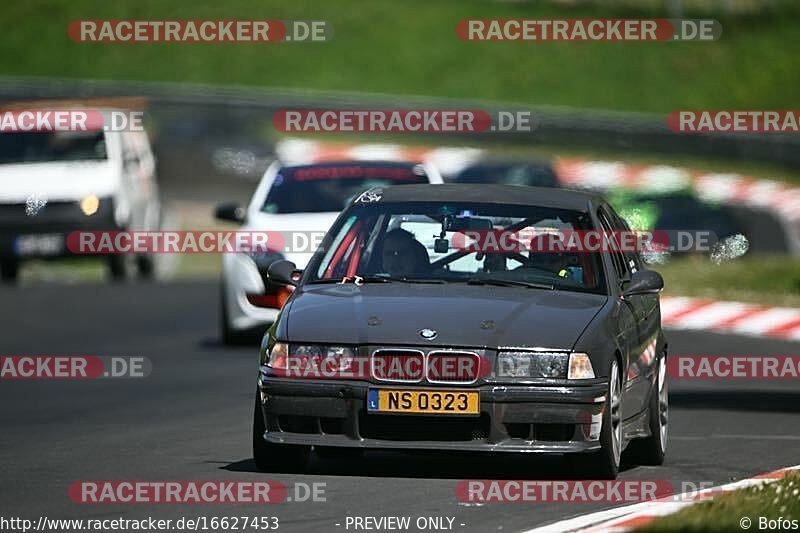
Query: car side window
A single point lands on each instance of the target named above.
(617, 258)
(632, 257)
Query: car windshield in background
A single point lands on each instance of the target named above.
(326, 188)
(532, 174)
(433, 242)
(42, 147)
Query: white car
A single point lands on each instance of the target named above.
(54, 183)
(298, 202)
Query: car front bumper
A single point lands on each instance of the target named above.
(53, 225)
(240, 276)
(528, 419)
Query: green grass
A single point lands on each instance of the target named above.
(776, 500)
(411, 48)
(758, 279)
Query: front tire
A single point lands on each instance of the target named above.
(117, 267)
(604, 464)
(9, 271)
(230, 336)
(651, 450)
(270, 457)
(145, 267)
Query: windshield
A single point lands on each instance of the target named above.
(434, 242)
(329, 188)
(41, 147)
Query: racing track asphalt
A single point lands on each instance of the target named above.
(191, 420)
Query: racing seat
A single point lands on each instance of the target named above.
(403, 255)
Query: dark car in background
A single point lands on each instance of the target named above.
(561, 353)
(508, 171)
(674, 213)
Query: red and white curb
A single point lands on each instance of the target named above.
(637, 515)
(779, 198)
(678, 312)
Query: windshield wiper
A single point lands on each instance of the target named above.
(389, 279)
(360, 280)
(509, 283)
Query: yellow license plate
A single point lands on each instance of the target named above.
(445, 402)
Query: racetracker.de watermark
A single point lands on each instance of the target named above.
(402, 121)
(627, 30)
(199, 31)
(565, 491)
(484, 241)
(180, 242)
(734, 121)
(73, 367)
(542, 240)
(450, 367)
(733, 366)
(69, 120)
(194, 492)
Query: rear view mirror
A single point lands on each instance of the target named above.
(644, 282)
(131, 161)
(468, 224)
(441, 246)
(284, 272)
(230, 212)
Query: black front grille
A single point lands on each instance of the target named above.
(453, 367)
(332, 426)
(541, 432)
(433, 428)
(398, 365)
(299, 424)
(554, 432)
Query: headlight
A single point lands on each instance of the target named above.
(278, 355)
(556, 365)
(308, 360)
(580, 367)
(89, 205)
(532, 365)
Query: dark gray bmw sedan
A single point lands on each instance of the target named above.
(467, 317)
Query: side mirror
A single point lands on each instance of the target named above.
(284, 272)
(130, 160)
(644, 282)
(230, 212)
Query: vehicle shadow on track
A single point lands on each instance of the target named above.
(781, 401)
(444, 465)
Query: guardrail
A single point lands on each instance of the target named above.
(641, 132)
(553, 125)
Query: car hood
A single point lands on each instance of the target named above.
(463, 315)
(57, 180)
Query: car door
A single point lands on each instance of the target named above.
(643, 307)
(134, 179)
(625, 316)
(147, 184)
(648, 315)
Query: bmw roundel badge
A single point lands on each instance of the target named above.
(428, 333)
